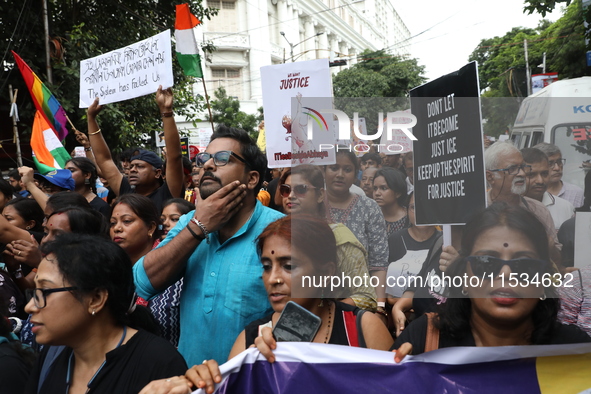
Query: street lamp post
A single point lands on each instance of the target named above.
(291, 46)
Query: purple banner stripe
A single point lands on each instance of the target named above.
(513, 376)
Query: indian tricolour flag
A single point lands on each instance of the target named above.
(48, 152)
(187, 51)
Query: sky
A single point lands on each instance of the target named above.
(456, 27)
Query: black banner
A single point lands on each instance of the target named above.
(449, 180)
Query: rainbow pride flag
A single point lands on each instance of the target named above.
(48, 152)
(43, 99)
(319, 368)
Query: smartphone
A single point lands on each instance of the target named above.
(296, 324)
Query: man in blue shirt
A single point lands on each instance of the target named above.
(213, 249)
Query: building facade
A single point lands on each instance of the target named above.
(250, 34)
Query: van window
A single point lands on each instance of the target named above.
(537, 138)
(525, 141)
(516, 139)
(574, 142)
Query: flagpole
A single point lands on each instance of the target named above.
(71, 124)
(16, 139)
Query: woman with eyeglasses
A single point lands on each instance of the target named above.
(508, 297)
(361, 215)
(84, 300)
(302, 192)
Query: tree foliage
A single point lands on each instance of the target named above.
(377, 76)
(226, 110)
(80, 29)
(501, 63)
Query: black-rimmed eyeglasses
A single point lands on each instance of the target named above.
(560, 162)
(220, 158)
(40, 295)
(513, 170)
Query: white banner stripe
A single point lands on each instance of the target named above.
(186, 42)
(51, 140)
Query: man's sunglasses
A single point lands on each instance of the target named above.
(298, 190)
(487, 266)
(220, 158)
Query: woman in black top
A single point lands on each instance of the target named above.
(504, 252)
(85, 301)
(85, 176)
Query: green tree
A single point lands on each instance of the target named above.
(80, 30)
(381, 83)
(564, 44)
(501, 62)
(226, 110)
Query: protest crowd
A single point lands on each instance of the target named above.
(131, 288)
(145, 271)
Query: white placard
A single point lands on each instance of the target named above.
(79, 151)
(582, 238)
(286, 120)
(204, 137)
(133, 71)
(398, 136)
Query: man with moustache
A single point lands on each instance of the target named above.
(506, 174)
(213, 249)
(145, 167)
(556, 186)
(367, 177)
(537, 180)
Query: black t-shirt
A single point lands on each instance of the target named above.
(272, 189)
(145, 357)
(406, 258)
(432, 292)
(566, 236)
(416, 334)
(98, 204)
(11, 298)
(158, 196)
(14, 371)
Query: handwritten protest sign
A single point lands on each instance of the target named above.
(129, 72)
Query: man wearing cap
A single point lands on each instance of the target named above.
(145, 169)
(53, 182)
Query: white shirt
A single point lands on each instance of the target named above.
(560, 209)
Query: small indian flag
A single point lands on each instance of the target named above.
(48, 152)
(187, 51)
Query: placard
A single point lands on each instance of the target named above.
(133, 71)
(582, 238)
(449, 172)
(294, 94)
(398, 137)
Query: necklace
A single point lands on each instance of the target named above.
(329, 322)
(71, 366)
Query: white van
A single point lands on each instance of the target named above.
(559, 114)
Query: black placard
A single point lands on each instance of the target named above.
(449, 178)
(185, 146)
